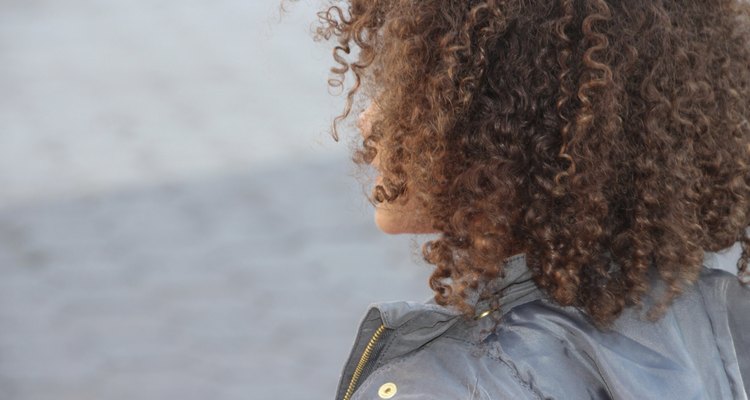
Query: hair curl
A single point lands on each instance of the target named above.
(585, 133)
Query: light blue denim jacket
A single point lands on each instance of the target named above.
(700, 349)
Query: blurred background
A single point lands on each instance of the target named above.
(175, 219)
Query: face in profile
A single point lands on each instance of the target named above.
(402, 215)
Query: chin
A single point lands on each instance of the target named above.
(388, 225)
(396, 224)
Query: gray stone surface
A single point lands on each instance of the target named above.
(175, 222)
(245, 286)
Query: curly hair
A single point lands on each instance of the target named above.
(606, 139)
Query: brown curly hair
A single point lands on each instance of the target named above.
(585, 133)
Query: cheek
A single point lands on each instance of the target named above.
(395, 222)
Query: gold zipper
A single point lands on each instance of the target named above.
(362, 361)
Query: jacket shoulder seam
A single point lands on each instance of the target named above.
(507, 364)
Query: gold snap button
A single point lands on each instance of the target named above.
(387, 390)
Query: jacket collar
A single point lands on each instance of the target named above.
(417, 323)
(515, 287)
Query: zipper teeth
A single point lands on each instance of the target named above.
(362, 361)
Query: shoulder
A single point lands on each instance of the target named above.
(558, 345)
(439, 355)
(447, 367)
(425, 351)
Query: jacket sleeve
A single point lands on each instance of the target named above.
(444, 369)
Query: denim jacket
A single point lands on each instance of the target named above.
(700, 349)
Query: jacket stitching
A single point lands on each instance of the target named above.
(394, 363)
(384, 351)
(511, 366)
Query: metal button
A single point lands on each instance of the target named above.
(387, 390)
(484, 314)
